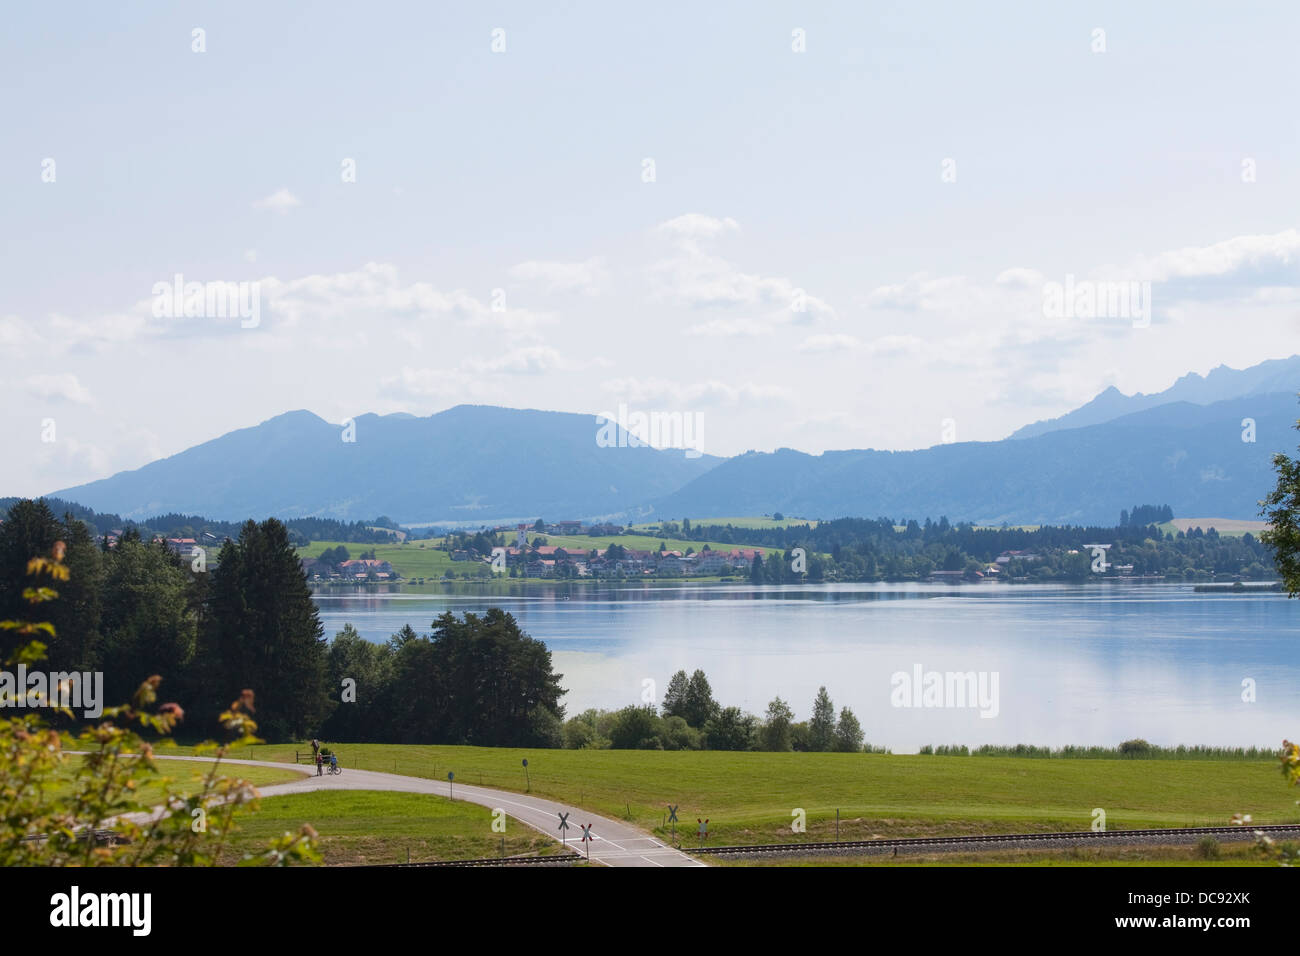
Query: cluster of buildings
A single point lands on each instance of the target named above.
(549, 561)
(999, 570)
(561, 527)
(356, 569)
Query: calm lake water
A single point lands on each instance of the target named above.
(1092, 664)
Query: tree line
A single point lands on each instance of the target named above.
(690, 718)
(862, 549)
(302, 531)
(137, 609)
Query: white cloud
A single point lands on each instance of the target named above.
(280, 201)
(691, 227)
(559, 277)
(482, 378)
(711, 392)
(830, 343)
(1262, 252)
(697, 279)
(532, 360)
(919, 292)
(334, 311)
(729, 328)
(63, 387)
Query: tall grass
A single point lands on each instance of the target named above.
(1129, 750)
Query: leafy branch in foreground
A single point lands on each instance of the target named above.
(1286, 854)
(113, 806)
(1282, 509)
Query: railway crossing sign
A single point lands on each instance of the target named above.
(587, 837)
(672, 818)
(704, 827)
(564, 825)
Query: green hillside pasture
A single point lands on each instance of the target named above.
(409, 560)
(747, 523)
(1226, 527)
(640, 542)
(412, 561)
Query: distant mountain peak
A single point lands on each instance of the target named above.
(498, 462)
(1220, 384)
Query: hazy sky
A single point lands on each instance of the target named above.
(840, 247)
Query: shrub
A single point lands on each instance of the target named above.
(1137, 747)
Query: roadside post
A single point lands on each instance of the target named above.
(564, 825)
(451, 777)
(586, 837)
(704, 829)
(672, 819)
(528, 784)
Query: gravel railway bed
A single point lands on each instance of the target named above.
(1004, 841)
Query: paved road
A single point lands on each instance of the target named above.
(615, 843)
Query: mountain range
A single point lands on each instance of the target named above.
(469, 464)
(1221, 384)
(483, 465)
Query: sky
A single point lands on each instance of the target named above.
(819, 227)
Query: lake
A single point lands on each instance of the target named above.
(1057, 664)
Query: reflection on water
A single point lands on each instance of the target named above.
(1093, 664)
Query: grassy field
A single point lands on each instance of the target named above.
(1226, 527)
(410, 560)
(183, 773)
(421, 559)
(750, 522)
(1228, 854)
(637, 542)
(358, 827)
(749, 797)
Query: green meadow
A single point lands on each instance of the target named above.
(750, 522)
(184, 774)
(422, 559)
(751, 797)
(637, 542)
(414, 559)
(358, 827)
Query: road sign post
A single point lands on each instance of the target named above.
(564, 825)
(704, 829)
(672, 818)
(451, 786)
(528, 784)
(586, 837)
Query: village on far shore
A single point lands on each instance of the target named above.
(485, 553)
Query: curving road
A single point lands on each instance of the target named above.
(614, 843)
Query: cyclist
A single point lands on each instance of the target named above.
(334, 763)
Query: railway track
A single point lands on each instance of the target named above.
(982, 841)
(567, 859)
